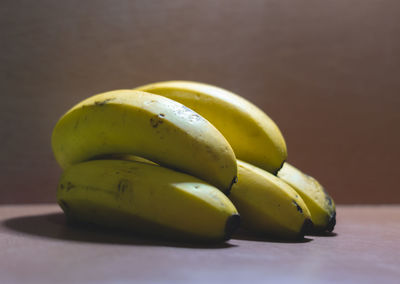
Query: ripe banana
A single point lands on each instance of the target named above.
(147, 125)
(268, 205)
(254, 137)
(320, 204)
(147, 199)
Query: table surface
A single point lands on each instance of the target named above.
(37, 246)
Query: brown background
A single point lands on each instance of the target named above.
(328, 72)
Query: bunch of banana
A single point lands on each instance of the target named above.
(268, 205)
(158, 159)
(137, 196)
(146, 125)
(256, 139)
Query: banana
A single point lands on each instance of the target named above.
(147, 125)
(254, 137)
(147, 199)
(320, 204)
(268, 205)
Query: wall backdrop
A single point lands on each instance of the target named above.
(327, 72)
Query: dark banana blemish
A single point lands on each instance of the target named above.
(70, 186)
(61, 186)
(157, 119)
(232, 223)
(123, 185)
(102, 103)
(329, 199)
(298, 206)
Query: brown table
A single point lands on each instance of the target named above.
(36, 246)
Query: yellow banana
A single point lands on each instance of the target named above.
(320, 204)
(147, 125)
(254, 137)
(268, 205)
(147, 199)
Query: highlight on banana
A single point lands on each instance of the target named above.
(184, 161)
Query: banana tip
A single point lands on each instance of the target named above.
(331, 223)
(306, 228)
(231, 226)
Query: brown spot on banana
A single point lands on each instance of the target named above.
(124, 185)
(298, 207)
(70, 186)
(102, 103)
(157, 119)
(328, 199)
